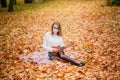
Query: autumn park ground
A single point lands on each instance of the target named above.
(93, 27)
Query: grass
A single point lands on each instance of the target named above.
(21, 6)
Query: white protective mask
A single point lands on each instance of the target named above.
(55, 31)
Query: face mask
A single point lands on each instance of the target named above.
(55, 31)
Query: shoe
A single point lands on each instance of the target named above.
(81, 64)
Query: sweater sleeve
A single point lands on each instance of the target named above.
(62, 43)
(45, 46)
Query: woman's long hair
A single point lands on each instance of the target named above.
(59, 33)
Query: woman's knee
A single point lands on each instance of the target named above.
(51, 57)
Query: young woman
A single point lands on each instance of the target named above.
(53, 43)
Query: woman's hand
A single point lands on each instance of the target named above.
(59, 48)
(56, 49)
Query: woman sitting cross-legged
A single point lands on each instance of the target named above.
(53, 43)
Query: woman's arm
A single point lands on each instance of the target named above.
(59, 48)
(68, 45)
(45, 46)
(62, 46)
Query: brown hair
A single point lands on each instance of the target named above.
(59, 28)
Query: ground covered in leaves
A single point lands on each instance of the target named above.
(91, 25)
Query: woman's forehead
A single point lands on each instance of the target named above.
(55, 26)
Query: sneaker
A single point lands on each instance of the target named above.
(81, 64)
